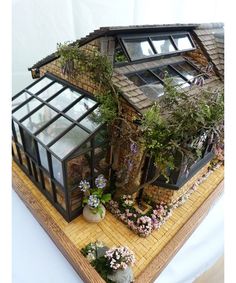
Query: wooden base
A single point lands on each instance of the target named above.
(152, 253)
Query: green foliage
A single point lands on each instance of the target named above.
(76, 62)
(181, 124)
(103, 268)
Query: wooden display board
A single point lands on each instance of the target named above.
(153, 253)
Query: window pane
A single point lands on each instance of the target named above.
(43, 156)
(76, 200)
(153, 91)
(60, 196)
(23, 159)
(163, 45)
(65, 98)
(21, 98)
(100, 158)
(182, 42)
(136, 80)
(78, 169)
(57, 170)
(29, 144)
(47, 183)
(138, 48)
(39, 118)
(48, 92)
(26, 109)
(90, 121)
(14, 149)
(39, 85)
(80, 108)
(186, 70)
(69, 141)
(101, 137)
(148, 77)
(17, 130)
(53, 130)
(177, 80)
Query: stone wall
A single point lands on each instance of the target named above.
(160, 194)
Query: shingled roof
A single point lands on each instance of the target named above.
(116, 30)
(210, 38)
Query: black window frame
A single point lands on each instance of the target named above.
(33, 167)
(148, 36)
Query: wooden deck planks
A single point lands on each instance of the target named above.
(152, 253)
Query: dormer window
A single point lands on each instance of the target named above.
(152, 45)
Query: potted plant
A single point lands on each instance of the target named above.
(94, 199)
(120, 260)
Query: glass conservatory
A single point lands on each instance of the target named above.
(58, 141)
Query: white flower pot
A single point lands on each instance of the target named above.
(90, 216)
(122, 275)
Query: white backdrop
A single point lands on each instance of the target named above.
(37, 27)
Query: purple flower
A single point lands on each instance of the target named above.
(133, 148)
(93, 201)
(84, 186)
(100, 182)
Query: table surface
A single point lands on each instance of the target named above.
(37, 259)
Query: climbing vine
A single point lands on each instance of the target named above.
(76, 62)
(178, 126)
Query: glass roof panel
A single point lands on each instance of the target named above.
(26, 108)
(65, 98)
(39, 85)
(90, 121)
(163, 45)
(186, 70)
(177, 80)
(138, 48)
(48, 92)
(153, 91)
(39, 118)
(69, 141)
(136, 80)
(80, 108)
(19, 99)
(53, 130)
(148, 77)
(183, 42)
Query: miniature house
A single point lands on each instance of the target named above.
(56, 141)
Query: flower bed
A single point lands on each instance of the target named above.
(143, 225)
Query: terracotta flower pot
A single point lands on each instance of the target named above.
(90, 216)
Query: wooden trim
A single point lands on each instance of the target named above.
(77, 260)
(155, 267)
(87, 273)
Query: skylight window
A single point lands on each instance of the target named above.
(138, 48)
(183, 42)
(152, 45)
(151, 81)
(163, 45)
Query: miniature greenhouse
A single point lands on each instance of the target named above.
(88, 111)
(58, 141)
